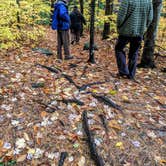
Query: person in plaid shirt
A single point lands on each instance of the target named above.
(133, 19)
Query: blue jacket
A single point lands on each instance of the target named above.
(60, 18)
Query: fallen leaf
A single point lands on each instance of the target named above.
(1, 143)
(21, 158)
(119, 145)
(26, 137)
(43, 114)
(20, 143)
(81, 161)
(114, 124)
(125, 99)
(163, 161)
(112, 92)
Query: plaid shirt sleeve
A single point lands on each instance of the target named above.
(122, 13)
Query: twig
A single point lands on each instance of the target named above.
(103, 120)
(70, 80)
(84, 71)
(107, 101)
(47, 106)
(66, 101)
(162, 105)
(83, 87)
(54, 70)
(92, 146)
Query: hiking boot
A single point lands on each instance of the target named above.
(68, 57)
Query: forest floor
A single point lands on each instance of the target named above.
(37, 126)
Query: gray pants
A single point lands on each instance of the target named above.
(63, 39)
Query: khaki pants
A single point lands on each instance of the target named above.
(63, 39)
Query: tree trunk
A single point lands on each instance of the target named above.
(18, 15)
(82, 11)
(108, 11)
(92, 20)
(147, 60)
(81, 6)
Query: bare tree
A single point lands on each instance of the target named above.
(147, 60)
(108, 11)
(82, 11)
(92, 20)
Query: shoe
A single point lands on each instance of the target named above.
(68, 57)
(122, 75)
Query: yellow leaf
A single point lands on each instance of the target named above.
(119, 145)
(125, 99)
(94, 91)
(31, 151)
(114, 124)
(112, 92)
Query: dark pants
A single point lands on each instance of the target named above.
(135, 43)
(63, 40)
(75, 36)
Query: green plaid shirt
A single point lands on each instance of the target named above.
(134, 17)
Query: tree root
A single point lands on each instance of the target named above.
(62, 158)
(92, 146)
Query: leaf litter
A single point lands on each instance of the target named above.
(41, 111)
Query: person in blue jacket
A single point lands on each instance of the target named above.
(61, 23)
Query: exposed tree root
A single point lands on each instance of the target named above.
(92, 146)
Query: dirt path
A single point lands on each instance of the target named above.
(36, 126)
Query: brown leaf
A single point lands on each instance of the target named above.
(21, 158)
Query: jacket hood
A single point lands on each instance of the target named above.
(60, 2)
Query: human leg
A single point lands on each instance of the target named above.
(66, 44)
(135, 44)
(120, 55)
(59, 44)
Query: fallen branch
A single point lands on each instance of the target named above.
(92, 146)
(57, 70)
(71, 65)
(54, 70)
(107, 101)
(162, 105)
(76, 101)
(103, 120)
(84, 71)
(67, 77)
(70, 80)
(46, 106)
(62, 158)
(83, 87)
